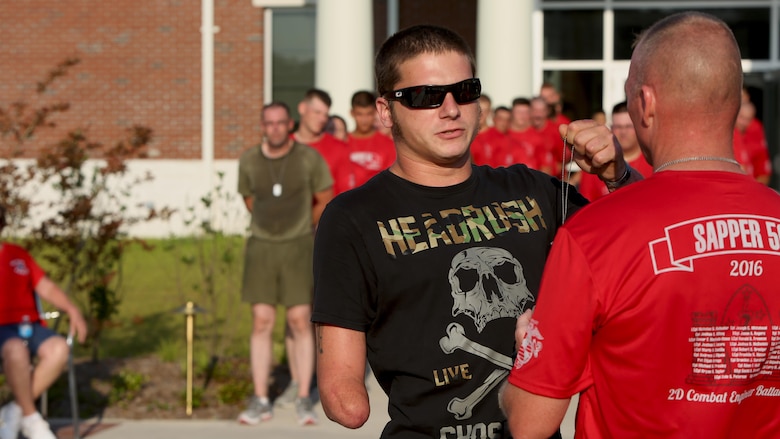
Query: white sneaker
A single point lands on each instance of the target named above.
(10, 419)
(35, 427)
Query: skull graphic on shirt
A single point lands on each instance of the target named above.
(487, 284)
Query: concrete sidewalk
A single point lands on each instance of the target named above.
(282, 426)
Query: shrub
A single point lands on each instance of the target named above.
(125, 386)
(234, 392)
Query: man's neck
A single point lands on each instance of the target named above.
(307, 137)
(274, 153)
(432, 175)
(362, 134)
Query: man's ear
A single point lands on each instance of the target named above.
(647, 101)
(385, 112)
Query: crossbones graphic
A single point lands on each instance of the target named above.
(456, 339)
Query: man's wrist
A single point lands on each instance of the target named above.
(614, 184)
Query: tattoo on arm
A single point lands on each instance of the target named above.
(319, 339)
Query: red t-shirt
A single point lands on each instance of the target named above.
(741, 153)
(19, 275)
(554, 144)
(560, 120)
(370, 155)
(755, 155)
(514, 151)
(336, 155)
(592, 188)
(487, 147)
(660, 304)
(530, 142)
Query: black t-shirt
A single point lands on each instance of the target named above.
(436, 278)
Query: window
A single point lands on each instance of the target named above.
(573, 34)
(750, 26)
(581, 91)
(293, 55)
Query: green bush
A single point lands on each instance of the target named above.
(234, 392)
(198, 397)
(170, 350)
(125, 386)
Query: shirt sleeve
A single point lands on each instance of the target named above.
(244, 184)
(321, 175)
(553, 360)
(344, 281)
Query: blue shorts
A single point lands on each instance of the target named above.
(39, 335)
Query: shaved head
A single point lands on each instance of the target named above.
(692, 59)
(684, 87)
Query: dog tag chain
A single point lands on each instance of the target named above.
(276, 189)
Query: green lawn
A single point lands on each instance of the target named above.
(156, 282)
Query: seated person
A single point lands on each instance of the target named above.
(22, 336)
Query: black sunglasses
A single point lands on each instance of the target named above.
(432, 96)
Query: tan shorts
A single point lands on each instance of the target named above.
(278, 273)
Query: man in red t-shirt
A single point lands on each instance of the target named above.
(750, 144)
(501, 117)
(369, 151)
(525, 145)
(548, 130)
(488, 145)
(314, 110)
(550, 94)
(591, 187)
(659, 303)
(22, 336)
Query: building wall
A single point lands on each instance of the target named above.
(458, 15)
(140, 64)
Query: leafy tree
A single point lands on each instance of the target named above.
(81, 229)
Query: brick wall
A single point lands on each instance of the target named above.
(140, 64)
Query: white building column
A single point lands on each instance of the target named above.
(344, 51)
(504, 49)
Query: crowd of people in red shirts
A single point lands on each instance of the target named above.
(353, 157)
(528, 133)
(525, 133)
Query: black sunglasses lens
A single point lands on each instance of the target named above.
(426, 97)
(466, 91)
(432, 96)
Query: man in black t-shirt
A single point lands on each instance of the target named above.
(424, 269)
